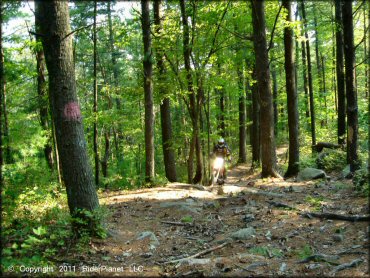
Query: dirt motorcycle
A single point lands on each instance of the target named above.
(218, 171)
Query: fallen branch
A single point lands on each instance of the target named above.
(344, 266)
(333, 216)
(280, 205)
(252, 266)
(320, 258)
(202, 253)
(177, 223)
(321, 145)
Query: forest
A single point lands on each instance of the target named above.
(110, 111)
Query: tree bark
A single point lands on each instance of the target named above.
(95, 106)
(248, 96)
(168, 152)
(317, 55)
(340, 73)
(242, 118)
(113, 55)
(148, 91)
(42, 93)
(104, 161)
(6, 138)
(310, 85)
(268, 153)
(351, 93)
(2, 84)
(324, 87)
(57, 43)
(275, 99)
(305, 79)
(255, 134)
(292, 98)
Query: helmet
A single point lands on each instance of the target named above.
(221, 141)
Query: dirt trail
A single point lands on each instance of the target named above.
(153, 230)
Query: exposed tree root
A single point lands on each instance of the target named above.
(333, 216)
(344, 266)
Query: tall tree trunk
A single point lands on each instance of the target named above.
(324, 87)
(255, 134)
(305, 79)
(366, 58)
(317, 55)
(275, 99)
(268, 153)
(340, 73)
(42, 92)
(113, 54)
(221, 104)
(105, 158)
(310, 85)
(333, 71)
(242, 130)
(57, 43)
(168, 152)
(6, 138)
(148, 91)
(95, 108)
(292, 97)
(351, 93)
(2, 84)
(248, 97)
(193, 103)
(368, 91)
(119, 154)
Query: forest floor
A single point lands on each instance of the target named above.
(247, 227)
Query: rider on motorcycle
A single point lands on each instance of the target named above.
(221, 149)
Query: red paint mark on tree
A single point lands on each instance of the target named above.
(72, 111)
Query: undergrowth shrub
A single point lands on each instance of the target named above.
(332, 160)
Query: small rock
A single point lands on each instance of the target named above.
(282, 267)
(313, 266)
(268, 235)
(243, 233)
(248, 218)
(146, 255)
(126, 254)
(154, 242)
(338, 237)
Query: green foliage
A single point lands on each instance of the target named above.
(361, 180)
(333, 160)
(267, 251)
(305, 252)
(187, 219)
(316, 201)
(85, 222)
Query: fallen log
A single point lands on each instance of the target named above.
(280, 205)
(321, 145)
(333, 216)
